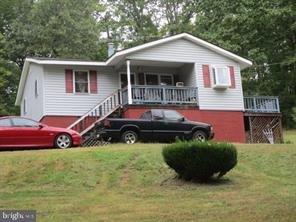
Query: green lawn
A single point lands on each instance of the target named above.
(290, 136)
(132, 183)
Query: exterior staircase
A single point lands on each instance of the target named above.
(86, 123)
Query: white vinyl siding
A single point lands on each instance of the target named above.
(32, 103)
(182, 50)
(188, 75)
(58, 102)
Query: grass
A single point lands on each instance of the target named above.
(290, 136)
(132, 183)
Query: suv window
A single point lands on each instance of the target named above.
(146, 115)
(21, 122)
(172, 115)
(5, 122)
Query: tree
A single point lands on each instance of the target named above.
(9, 77)
(133, 22)
(178, 15)
(54, 28)
(263, 31)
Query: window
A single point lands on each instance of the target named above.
(5, 123)
(152, 79)
(81, 81)
(221, 77)
(157, 114)
(36, 88)
(123, 79)
(166, 80)
(172, 115)
(146, 115)
(22, 122)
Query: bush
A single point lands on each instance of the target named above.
(200, 160)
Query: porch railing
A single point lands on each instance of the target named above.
(262, 104)
(161, 95)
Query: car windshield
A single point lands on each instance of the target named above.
(172, 115)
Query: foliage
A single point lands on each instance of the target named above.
(290, 136)
(263, 31)
(200, 160)
(9, 76)
(54, 28)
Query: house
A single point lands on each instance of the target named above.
(200, 80)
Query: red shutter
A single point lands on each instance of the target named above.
(232, 77)
(93, 81)
(206, 76)
(69, 80)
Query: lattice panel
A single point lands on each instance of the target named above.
(259, 123)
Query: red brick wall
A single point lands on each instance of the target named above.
(228, 125)
(58, 121)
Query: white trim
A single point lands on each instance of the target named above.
(65, 62)
(129, 86)
(43, 90)
(88, 82)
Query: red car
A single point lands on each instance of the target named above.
(18, 132)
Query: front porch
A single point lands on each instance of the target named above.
(165, 95)
(145, 82)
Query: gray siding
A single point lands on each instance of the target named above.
(58, 102)
(188, 75)
(185, 51)
(34, 104)
(215, 99)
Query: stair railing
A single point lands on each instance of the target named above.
(97, 113)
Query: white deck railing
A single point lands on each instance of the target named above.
(262, 104)
(97, 113)
(161, 95)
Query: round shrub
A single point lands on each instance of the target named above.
(195, 160)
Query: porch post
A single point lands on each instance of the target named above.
(129, 86)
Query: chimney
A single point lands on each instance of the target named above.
(111, 49)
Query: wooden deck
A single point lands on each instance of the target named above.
(262, 104)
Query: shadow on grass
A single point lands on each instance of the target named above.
(178, 181)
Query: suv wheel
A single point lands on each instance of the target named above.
(129, 137)
(199, 136)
